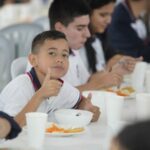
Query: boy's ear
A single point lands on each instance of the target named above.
(59, 26)
(32, 59)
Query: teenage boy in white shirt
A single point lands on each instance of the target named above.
(41, 89)
(72, 18)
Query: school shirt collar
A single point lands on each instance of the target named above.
(71, 52)
(35, 81)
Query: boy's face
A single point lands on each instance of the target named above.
(101, 17)
(53, 54)
(77, 31)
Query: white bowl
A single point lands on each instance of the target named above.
(74, 117)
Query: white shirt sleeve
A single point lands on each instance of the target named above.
(16, 95)
(19, 92)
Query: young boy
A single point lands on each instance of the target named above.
(73, 20)
(41, 89)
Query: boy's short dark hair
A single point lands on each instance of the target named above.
(65, 11)
(47, 35)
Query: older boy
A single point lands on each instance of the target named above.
(41, 89)
(73, 20)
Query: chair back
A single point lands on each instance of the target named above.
(7, 55)
(22, 35)
(18, 66)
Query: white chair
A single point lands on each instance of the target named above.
(22, 35)
(18, 66)
(43, 22)
(7, 55)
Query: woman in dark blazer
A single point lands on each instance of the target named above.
(123, 35)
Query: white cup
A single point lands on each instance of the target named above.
(143, 106)
(138, 76)
(36, 124)
(114, 104)
(147, 81)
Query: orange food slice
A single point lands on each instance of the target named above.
(55, 128)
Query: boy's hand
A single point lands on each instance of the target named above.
(126, 65)
(87, 105)
(50, 87)
(109, 79)
(105, 79)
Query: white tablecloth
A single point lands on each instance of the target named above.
(97, 136)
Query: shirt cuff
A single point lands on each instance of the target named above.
(78, 102)
(15, 128)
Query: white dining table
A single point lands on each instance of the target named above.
(97, 136)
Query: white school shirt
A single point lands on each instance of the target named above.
(77, 73)
(20, 90)
(140, 28)
(100, 58)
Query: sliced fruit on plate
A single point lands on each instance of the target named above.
(56, 128)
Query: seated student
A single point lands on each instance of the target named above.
(9, 128)
(41, 89)
(94, 52)
(73, 20)
(133, 137)
(126, 34)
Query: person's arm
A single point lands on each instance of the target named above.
(112, 61)
(101, 80)
(9, 129)
(50, 87)
(5, 128)
(126, 65)
(31, 106)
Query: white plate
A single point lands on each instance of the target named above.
(60, 133)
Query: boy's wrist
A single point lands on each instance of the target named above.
(39, 95)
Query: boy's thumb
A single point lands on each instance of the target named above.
(89, 97)
(48, 75)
